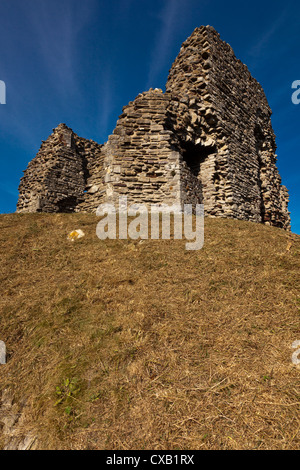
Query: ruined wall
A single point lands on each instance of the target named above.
(227, 112)
(140, 161)
(208, 139)
(94, 174)
(56, 179)
(142, 157)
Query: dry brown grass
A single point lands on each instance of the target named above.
(149, 346)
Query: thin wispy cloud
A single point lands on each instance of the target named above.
(51, 33)
(10, 189)
(105, 93)
(260, 46)
(56, 27)
(167, 32)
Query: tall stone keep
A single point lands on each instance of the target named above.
(207, 139)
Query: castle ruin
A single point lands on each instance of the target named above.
(208, 139)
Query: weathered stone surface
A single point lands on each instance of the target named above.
(225, 130)
(208, 139)
(56, 179)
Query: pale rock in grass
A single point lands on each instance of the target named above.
(76, 235)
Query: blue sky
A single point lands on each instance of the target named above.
(80, 62)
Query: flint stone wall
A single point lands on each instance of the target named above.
(208, 139)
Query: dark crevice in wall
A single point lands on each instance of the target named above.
(195, 155)
(259, 138)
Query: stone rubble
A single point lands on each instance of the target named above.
(207, 139)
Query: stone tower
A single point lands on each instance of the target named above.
(207, 139)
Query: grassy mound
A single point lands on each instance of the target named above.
(144, 345)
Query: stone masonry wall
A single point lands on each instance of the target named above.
(140, 161)
(56, 179)
(208, 139)
(143, 160)
(230, 116)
